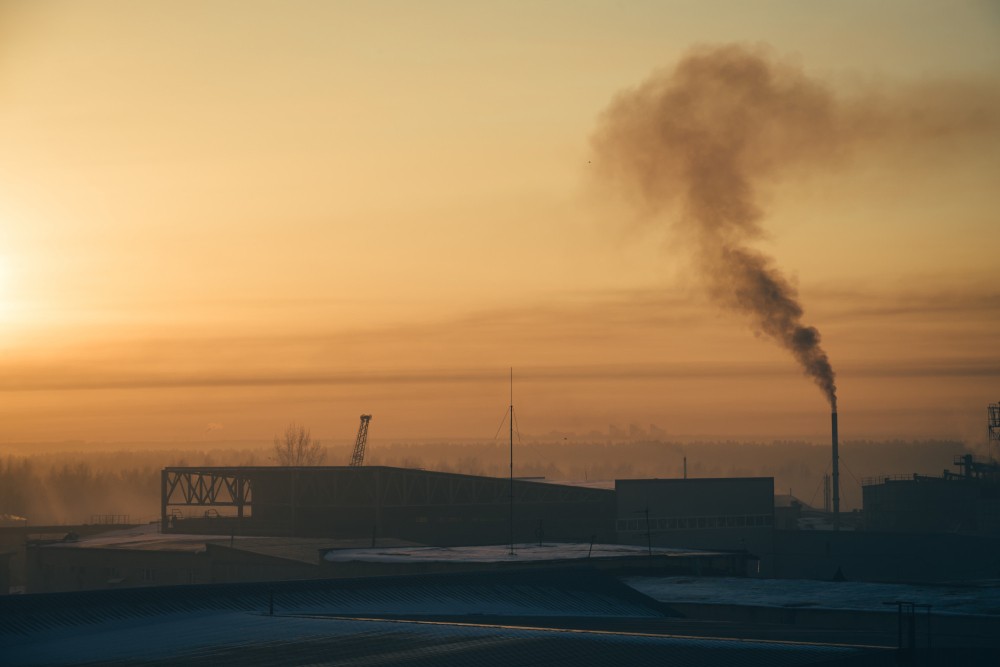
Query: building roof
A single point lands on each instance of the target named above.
(608, 484)
(304, 549)
(148, 538)
(239, 639)
(228, 624)
(550, 592)
(142, 538)
(786, 499)
(958, 598)
(500, 553)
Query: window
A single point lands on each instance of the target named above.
(421, 519)
(77, 570)
(741, 521)
(730, 521)
(769, 520)
(701, 522)
(148, 575)
(672, 524)
(621, 524)
(633, 524)
(112, 572)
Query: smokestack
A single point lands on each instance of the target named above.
(836, 476)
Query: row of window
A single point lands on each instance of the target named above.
(147, 575)
(455, 519)
(696, 522)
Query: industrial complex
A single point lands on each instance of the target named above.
(232, 530)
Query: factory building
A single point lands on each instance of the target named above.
(436, 508)
(732, 514)
(967, 502)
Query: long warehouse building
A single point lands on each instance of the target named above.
(437, 508)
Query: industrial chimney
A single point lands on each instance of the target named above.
(836, 476)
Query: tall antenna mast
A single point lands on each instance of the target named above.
(512, 461)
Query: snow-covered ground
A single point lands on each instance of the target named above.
(982, 598)
(497, 553)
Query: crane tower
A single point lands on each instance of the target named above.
(358, 458)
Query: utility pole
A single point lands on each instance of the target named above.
(649, 539)
(512, 461)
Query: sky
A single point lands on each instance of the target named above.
(217, 218)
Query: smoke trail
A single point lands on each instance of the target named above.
(697, 140)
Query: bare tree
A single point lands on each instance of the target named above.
(297, 448)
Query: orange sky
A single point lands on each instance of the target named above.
(245, 213)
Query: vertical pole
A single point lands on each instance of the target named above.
(512, 461)
(649, 540)
(271, 603)
(911, 631)
(294, 499)
(163, 500)
(899, 624)
(929, 647)
(239, 503)
(685, 467)
(836, 475)
(378, 504)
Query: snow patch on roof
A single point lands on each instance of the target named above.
(501, 553)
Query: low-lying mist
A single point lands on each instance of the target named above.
(70, 488)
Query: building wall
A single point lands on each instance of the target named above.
(53, 569)
(717, 513)
(5, 573)
(234, 564)
(885, 557)
(927, 505)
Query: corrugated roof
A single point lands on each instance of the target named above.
(305, 549)
(550, 592)
(245, 640)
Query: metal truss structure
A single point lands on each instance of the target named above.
(205, 487)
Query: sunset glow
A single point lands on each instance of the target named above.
(216, 218)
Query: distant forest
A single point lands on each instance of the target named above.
(70, 487)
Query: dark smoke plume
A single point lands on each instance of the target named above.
(697, 141)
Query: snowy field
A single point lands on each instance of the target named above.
(982, 598)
